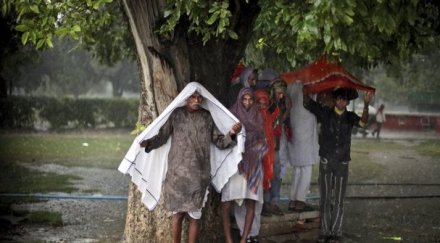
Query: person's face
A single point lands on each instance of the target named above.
(252, 79)
(279, 94)
(247, 101)
(341, 103)
(263, 104)
(194, 101)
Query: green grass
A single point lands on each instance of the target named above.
(361, 167)
(373, 145)
(6, 202)
(86, 149)
(429, 148)
(101, 150)
(16, 178)
(45, 217)
(39, 217)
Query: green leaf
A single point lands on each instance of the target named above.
(49, 42)
(233, 35)
(44, 21)
(21, 27)
(76, 28)
(213, 18)
(33, 37)
(34, 9)
(40, 43)
(96, 5)
(348, 19)
(24, 38)
(167, 13)
(61, 32)
(327, 39)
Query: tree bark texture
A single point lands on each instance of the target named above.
(166, 65)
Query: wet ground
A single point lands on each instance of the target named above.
(85, 220)
(406, 213)
(404, 206)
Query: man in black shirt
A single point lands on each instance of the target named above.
(334, 150)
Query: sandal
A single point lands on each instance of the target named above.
(335, 239)
(252, 239)
(266, 212)
(276, 210)
(322, 238)
(292, 205)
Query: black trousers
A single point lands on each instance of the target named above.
(333, 176)
(377, 130)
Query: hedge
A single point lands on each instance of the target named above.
(65, 113)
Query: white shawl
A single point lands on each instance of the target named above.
(304, 149)
(148, 170)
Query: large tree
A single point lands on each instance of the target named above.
(184, 40)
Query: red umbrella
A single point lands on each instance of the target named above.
(323, 76)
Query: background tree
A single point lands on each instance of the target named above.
(414, 83)
(122, 75)
(12, 55)
(178, 41)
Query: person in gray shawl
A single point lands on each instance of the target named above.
(192, 130)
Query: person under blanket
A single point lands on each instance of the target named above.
(189, 131)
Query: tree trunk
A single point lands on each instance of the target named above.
(166, 65)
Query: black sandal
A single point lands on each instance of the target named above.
(335, 239)
(252, 239)
(292, 206)
(322, 238)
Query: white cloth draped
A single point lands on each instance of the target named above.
(304, 148)
(148, 170)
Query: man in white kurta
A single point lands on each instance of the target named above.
(303, 152)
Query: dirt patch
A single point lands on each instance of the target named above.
(410, 215)
(85, 220)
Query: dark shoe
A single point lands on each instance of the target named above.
(252, 239)
(335, 239)
(322, 238)
(303, 207)
(300, 205)
(292, 205)
(276, 210)
(267, 211)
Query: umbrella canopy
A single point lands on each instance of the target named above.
(322, 76)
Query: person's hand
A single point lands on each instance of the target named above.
(144, 143)
(147, 145)
(236, 128)
(368, 97)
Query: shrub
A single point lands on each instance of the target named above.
(16, 112)
(62, 113)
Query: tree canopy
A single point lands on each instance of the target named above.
(363, 32)
(98, 25)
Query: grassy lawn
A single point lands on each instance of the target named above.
(103, 150)
(16, 178)
(362, 168)
(429, 148)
